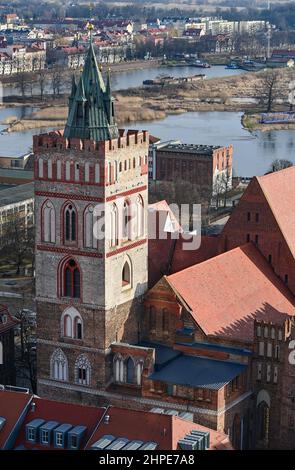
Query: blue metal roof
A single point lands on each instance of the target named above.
(164, 354)
(198, 372)
(77, 430)
(49, 425)
(36, 423)
(63, 428)
(219, 347)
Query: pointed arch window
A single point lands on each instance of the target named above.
(82, 370)
(118, 365)
(70, 223)
(127, 220)
(71, 324)
(140, 216)
(89, 221)
(126, 274)
(59, 365)
(48, 218)
(130, 371)
(71, 280)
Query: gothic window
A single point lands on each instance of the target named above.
(97, 173)
(82, 370)
(114, 225)
(58, 169)
(40, 164)
(126, 274)
(49, 169)
(87, 172)
(71, 324)
(138, 373)
(59, 365)
(130, 371)
(127, 220)
(78, 332)
(89, 222)
(140, 216)
(118, 368)
(70, 223)
(68, 326)
(48, 217)
(68, 171)
(71, 280)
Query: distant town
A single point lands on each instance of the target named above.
(147, 221)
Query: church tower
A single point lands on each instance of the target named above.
(91, 241)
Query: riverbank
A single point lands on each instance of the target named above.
(233, 93)
(9, 80)
(252, 122)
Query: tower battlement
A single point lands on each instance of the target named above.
(56, 141)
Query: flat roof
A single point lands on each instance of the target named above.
(191, 148)
(198, 372)
(16, 173)
(16, 194)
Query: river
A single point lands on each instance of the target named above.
(253, 153)
(134, 78)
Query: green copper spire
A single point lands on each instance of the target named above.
(91, 110)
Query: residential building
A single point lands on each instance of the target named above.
(16, 202)
(29, 422)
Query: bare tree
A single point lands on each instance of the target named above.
(269, 89)
(26, 363)
(280, 164)
(42, 81)
(17, 240)
(57, 80)
(21, 83)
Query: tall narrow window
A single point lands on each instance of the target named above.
(82, 370)
(89, 238)
(126, 275)
(114, 226)
(49, 169)
(127, 221)
(140, 216)
(70, 223)
(40, 164)
(130, 371)
(48, 222)
(58, 169)
(59, 365)
(71, 280)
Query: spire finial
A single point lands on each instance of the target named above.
(90, 30)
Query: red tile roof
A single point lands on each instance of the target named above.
(279, 191)
(10, 323)
(12, 405)
(163, 429)
(50, 410)
(226, 293)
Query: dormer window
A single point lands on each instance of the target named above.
(59, 439)
(31, 434)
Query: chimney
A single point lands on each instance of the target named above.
(106, 419)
